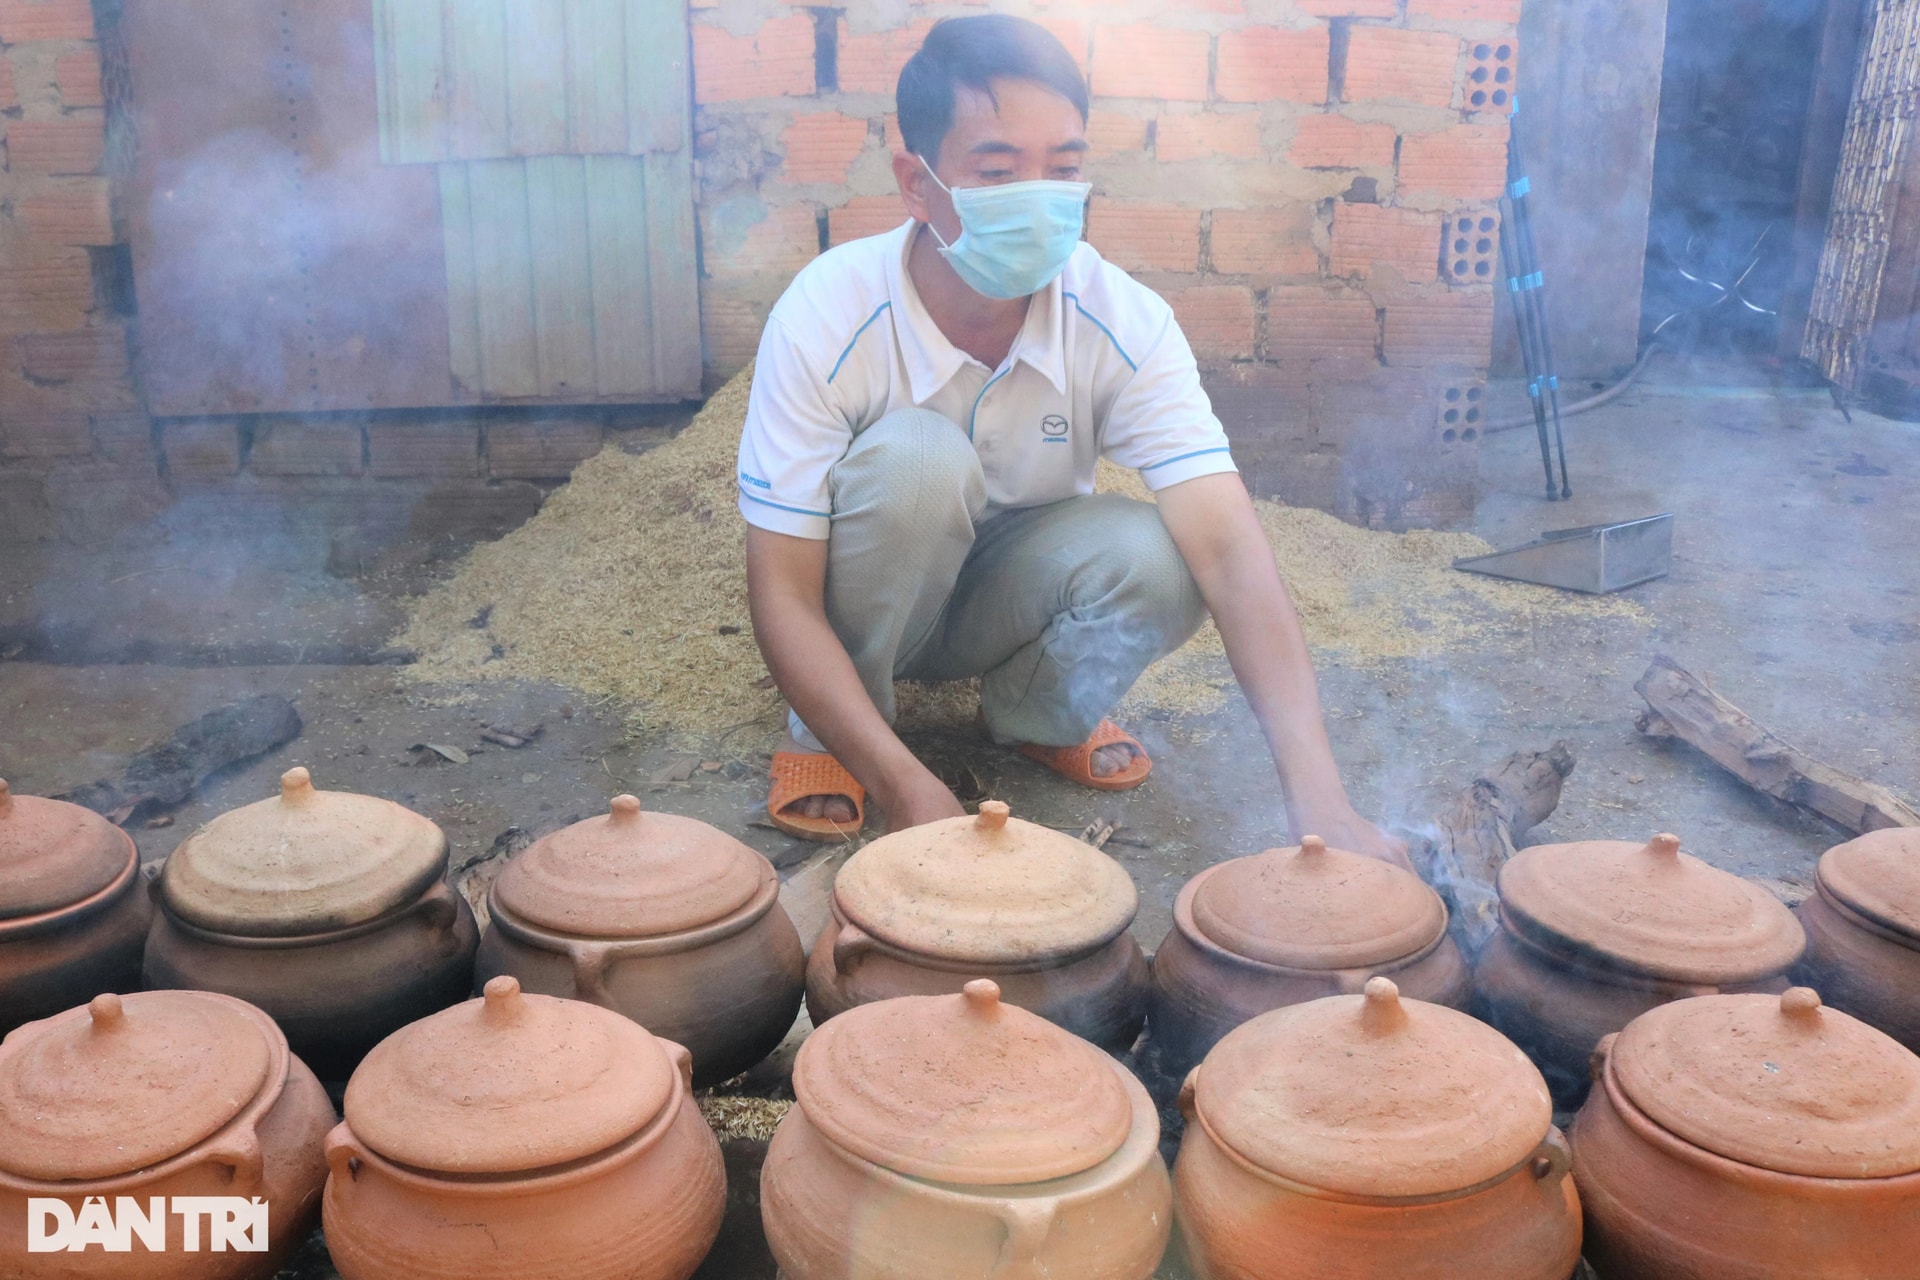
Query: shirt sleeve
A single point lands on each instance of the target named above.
(1161, 423)
(794, 435)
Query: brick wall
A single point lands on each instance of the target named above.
(1311, 183)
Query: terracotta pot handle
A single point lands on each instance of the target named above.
(438, 906)
(1553, 1158)
(1028, 1223)
(343, 1153)
(849, 945)
(590, 961)
(1188, 1107)
(682, 1060)
(1597, 1063)
(240, 1152)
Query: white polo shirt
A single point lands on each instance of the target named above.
(1100, 369)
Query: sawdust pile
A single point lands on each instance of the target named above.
(753, 1119)
(630, 585)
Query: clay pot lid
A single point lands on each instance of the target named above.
(1649, 909)
(1312, 907)
(1372, 1095)
(1878, 876)
(990, 889)
(125, 1082)
(963, 1089)
(1776, 1082)
(305, 861)
(508, 1083)
(54, 854)
(630, 874)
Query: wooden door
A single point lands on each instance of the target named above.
(354, 204)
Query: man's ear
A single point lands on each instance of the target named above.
(915, 184)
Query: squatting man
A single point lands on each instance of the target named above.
(917, 474)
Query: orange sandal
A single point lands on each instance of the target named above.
(797, 775)
(1076, 763)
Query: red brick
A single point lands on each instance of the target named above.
(864, 216)
(871, 63)
(23, 20)
(781, 239)
(1146, 237)
(37, 423)
(79, 213)
(1076, 34)
(78, 77)
(50, 291)
(1465, 162)
(423, 450)
(75, 145)
(1218, 319)
(1207, 134)
(9, 87)
(1307, 322)
(775, 61)
(1451, 328)
(542, 450)
(1369, 235)
(1386, 64)
(1275, 242)
(199, 449)
(1335, 142)
(1112, 133)
(1349, 8)
(78, 356)
(1506, 11)
(822, 146)
(288, 447)
(1144, 61)
(1264, 64)
(729, 330)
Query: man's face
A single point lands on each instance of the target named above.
(1033, 133)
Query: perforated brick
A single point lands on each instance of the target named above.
(1472, 250)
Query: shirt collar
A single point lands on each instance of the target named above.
(932, 361)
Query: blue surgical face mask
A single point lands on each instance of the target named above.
(1014, 237)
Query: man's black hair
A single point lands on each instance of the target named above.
(975, 52)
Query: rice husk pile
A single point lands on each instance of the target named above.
(630, 585)
(753, 1119)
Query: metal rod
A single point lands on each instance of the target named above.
(1535, 295)
(1518, 287)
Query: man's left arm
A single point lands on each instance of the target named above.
(1212, 521)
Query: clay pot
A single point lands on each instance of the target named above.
(1292, 925)
(1863, 931)
(158, 1093)
(522, 1136)
(328, 910)
(1372, 1136)
(1751, 1137)
(73, 918)
(925, 910)
(1594, 934)
(957, 1137)
(663, 918)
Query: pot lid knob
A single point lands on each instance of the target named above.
(1801, 1005)
(993, 816)
(6, 799)
(296, 785)
(107, 1012)
(1665, 847)
(504, 1004)
(625, 808)
(1382, 1013)
(983, 996)
(1312, 846)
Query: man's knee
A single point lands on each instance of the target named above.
(1137, 557)
(907, 459)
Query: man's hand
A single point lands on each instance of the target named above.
(924, 800)
(1343, 828)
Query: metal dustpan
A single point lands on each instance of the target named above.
(1595, 558)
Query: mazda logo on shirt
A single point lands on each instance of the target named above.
(1053, 427)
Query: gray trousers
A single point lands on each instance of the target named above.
(1058, 609)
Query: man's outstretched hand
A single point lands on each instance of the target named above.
(1348, 830)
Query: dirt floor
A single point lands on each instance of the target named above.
(1795, 588)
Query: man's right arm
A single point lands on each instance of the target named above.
(786, 594)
